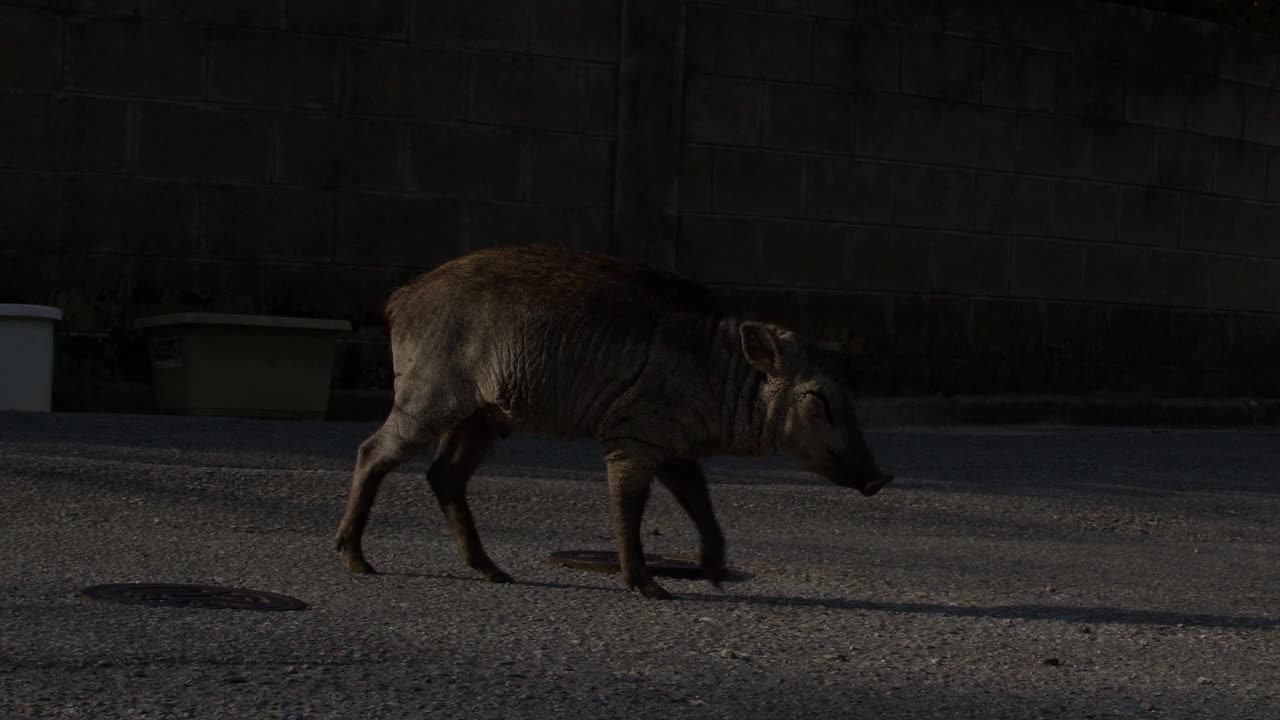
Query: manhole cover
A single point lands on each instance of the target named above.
(191, 596)
(607, 561)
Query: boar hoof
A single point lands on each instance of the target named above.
(715, 574)
(654, 591)
(497, 576)
(359, 565)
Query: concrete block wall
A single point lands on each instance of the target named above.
(992, 196)
(286, 156)
(979, 196)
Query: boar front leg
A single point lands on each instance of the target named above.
(629, 479)
(461, 452)
(686, 482)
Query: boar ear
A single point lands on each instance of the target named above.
(768, 348)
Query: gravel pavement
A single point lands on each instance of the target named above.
(1008, 573)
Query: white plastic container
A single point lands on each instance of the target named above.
(26, 356)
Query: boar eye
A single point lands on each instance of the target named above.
(826, 407)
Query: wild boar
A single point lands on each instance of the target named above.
(577, 345)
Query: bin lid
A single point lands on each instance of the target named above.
(294, 323)
(43, 312)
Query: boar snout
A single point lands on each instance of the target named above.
(874, 487)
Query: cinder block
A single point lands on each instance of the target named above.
(827, 9)
(1204, 338)
(467, 161)
(1054, 145)
(1185, 160)
(1123, 153)
(697, 163)
(1141, 334)
(997, 134)
(1184, 45)
(805, 117)
(103, 213)
(529, 91)
(28, 211)
(1237, 283)
(1255, 339)
(96, 7)
(1050, 26)
(937, 327)
(1257, 230)
(400, 230)
(934, 197)
(30, 49)
(718, 249)
(1177, 278)
(970, 264)
(728, 41)
(601, 89)
(483, 24)
(915, 15)
(268, 67)
(1251, 58)
(1052, 269)
(1004, 328)
(1014, 204)
(1019, 78)
(1089, 89)
(1215, 107)
(758, 183)
(371, 18)
(257, 222)
(501, 224)
(377, 154)
(1150, 216)
(313, 150)
(47, 132)
(1240, 169)
(571, 171)
(1077, 333)
(802, 254)
(921, 129)
(1155, 98)
(1084, 210)
(891, 260)
(244, 13)
(585, 29)
(1262, 116)
(1273, 176)
(416, 82)
(942, 67)
(994, 21)
(129, 57)
(1208, 222)
(205, 143)
(722, 110)
(857, 57)
(1115, 273)
(841, 188)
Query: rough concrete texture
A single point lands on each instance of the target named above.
(1007, 574)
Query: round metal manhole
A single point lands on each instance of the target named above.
(191, 596)
(660, 565)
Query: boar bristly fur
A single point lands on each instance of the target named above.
(576, 345)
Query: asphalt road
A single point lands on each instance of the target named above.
(1006, 574)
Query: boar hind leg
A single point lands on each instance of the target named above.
(461, 452)
(378, 455)
(686, 482)
(629, 481)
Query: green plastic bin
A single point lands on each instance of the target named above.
(241, 365)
